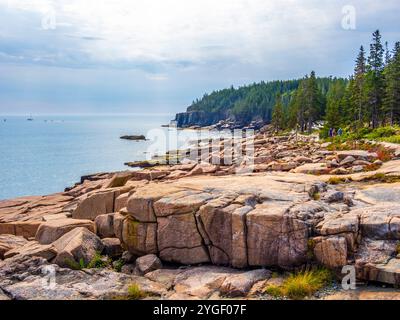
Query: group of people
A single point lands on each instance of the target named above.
(334, 133)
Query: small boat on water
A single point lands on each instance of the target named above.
(30, 118)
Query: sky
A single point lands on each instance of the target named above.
(157, 56)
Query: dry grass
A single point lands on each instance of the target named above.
(300, 285)
(339, 180)
(135, 292)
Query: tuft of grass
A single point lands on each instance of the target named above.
(339, 180)
(316, 196)
(118, 265)
(98, 261)
(398, 248)
(135, 292)
(302, 284)
(274, 291)
(72, 264)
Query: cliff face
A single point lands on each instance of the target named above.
(199, 118)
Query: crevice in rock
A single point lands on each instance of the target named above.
(6, 293)
(245, 231)
(203, 242)
(156, 222)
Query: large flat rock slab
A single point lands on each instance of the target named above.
(238, 221)
(25, 278)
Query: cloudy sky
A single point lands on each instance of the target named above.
(83, 56)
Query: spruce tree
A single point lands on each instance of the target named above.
(392, 89)
(313, 101)
(278, 115)
(357, 99)
(335, 116)
(375, 84)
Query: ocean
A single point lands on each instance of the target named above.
(50, 153)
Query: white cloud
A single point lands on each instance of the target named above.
(182, 30)
(157, 77)
(172, 51)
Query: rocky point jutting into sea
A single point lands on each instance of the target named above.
(200, 230)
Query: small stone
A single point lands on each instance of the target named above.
(333, 196)
(340, 171)
(334, 163)
(148, 263)
(347, 161)
(128, 257)
(357, 168)
(129, 268)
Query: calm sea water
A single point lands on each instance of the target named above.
(50, 153)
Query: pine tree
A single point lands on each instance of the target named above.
(335, 116)
(387, 54)
(313, 101)
(392, 90)
(299, 105)
(357, 97)
(375, 84)
(278, 115)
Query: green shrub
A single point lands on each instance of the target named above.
(392, 139)
(381, 133)
(118, 265)
(98, 261)
(72, 264)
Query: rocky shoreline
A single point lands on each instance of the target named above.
(208, 229)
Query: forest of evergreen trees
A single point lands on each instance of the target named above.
(369, 98)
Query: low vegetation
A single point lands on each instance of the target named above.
(316, 196)
(98, 261)
(117, 265)
(382, 178)
(135, 292)
(339, 180)
(302, 284)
